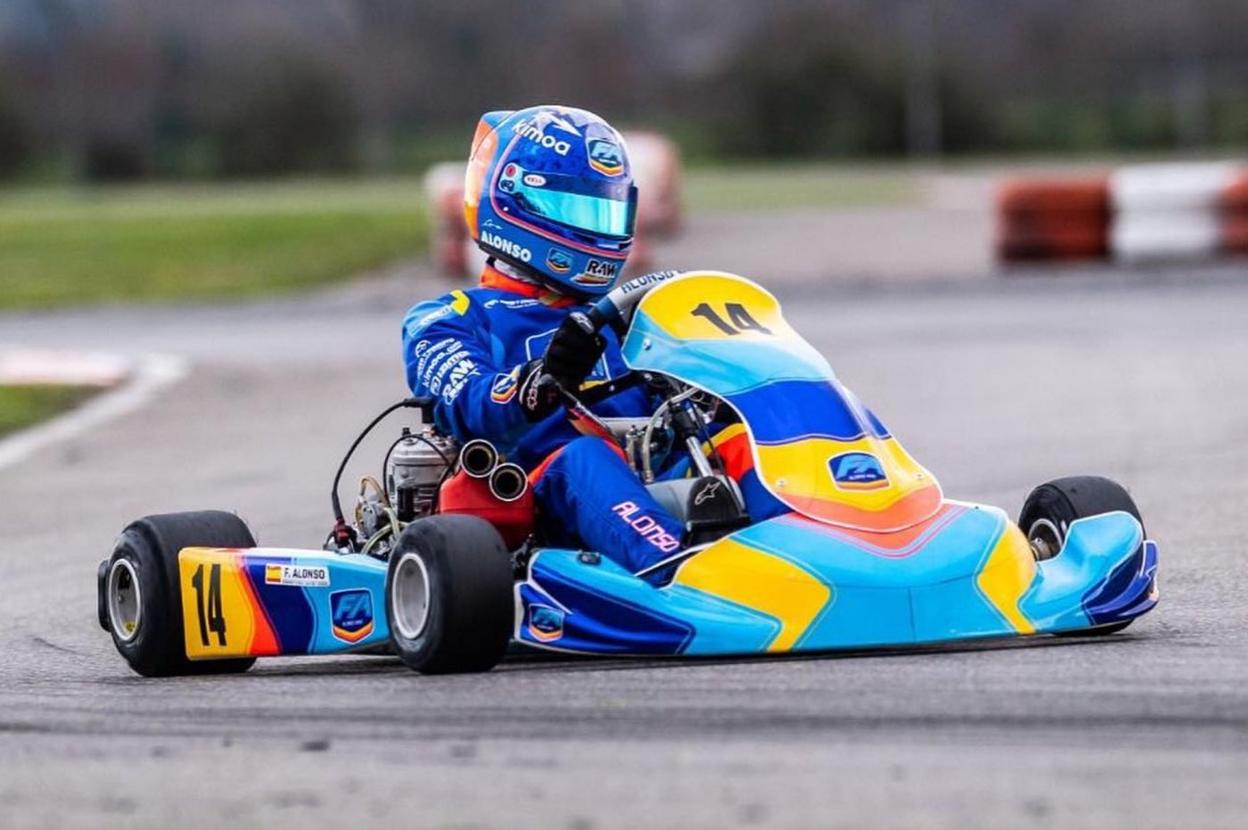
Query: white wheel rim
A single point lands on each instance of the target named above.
(125, 600)
(1045, 538)
(409, 597)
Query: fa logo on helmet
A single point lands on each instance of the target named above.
(605, 157)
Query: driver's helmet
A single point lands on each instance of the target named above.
(549, 190)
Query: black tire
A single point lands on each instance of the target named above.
(151, 641)
(1051, 508)
(449, 595)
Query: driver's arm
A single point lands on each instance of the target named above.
(449, 359)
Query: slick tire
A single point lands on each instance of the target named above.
(449, 595)
(1052, 507)
(140, 603)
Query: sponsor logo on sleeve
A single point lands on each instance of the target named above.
(460, 371)
(857, 471)
(433, 317)
(299, 576)
(505, 386)
(534, 180)
(351, 613)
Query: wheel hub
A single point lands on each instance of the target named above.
(409, 602)
(125, 606)
(1045, 539)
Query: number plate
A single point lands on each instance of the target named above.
(218, 610)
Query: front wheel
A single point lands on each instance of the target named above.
(449, 595)
(140, 603)
(1052, 508)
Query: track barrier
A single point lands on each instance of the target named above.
(1137, 213)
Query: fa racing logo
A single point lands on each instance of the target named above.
(545, 623)
(605, 156)
(857, 471)
(560, 261)
(351, 613)
(505, 386)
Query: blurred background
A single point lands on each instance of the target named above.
(164, 150)
(1016, 227)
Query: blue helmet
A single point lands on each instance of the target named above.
(549, 190)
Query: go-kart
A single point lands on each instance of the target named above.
(441, 564)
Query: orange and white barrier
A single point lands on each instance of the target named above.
(1139, 213)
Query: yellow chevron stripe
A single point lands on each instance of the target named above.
(1007, 575)
(758, 580)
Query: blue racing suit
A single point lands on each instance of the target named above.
(466, 350)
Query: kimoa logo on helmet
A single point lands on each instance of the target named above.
(506, 246)
(536, 134)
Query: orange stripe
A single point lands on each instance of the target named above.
(912, 509)
(264, 640)
(887, 540)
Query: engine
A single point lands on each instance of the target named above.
(415, 468)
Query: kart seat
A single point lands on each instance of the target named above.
(673, 496)
(689, 500)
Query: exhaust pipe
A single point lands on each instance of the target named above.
(478, 458)
(508, 482)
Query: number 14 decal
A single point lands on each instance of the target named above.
(211, 620)
(739, 319)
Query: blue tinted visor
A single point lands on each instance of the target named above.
(609, 209)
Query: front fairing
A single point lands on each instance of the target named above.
(816, 447)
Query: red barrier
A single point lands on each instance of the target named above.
(1053, 219)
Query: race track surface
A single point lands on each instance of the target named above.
(994, 385)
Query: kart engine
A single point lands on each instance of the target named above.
(415, 467)
(426, 472)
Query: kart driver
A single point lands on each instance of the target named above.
(549, 197)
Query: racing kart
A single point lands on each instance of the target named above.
(441, 564)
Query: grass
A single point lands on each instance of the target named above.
(21, 406)
(796, 186)
(62, 246)
(164, 243)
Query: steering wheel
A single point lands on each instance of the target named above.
(615, 310)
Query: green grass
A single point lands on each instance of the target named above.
(21, 406)
(166, 243)
(795, 186)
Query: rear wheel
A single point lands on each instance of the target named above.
(449, 595)
(140, 603)
(1053, 507)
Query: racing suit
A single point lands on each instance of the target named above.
(467, 349)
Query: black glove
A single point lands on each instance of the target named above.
(539, 393)
(573, 351)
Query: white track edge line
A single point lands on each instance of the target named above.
(151, 373)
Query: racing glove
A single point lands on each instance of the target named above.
(573, 352)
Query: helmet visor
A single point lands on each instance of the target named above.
(608, 210)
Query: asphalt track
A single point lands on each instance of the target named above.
(995, 385)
